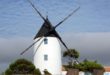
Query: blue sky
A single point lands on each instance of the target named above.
(88, 30)
(18, 18)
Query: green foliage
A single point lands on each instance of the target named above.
(22, 66)
(46, 72)
(8, 72)
(90, 65)
(71, 53)
(86, 66)
(37, 71)
(83, 66)
(75, 66)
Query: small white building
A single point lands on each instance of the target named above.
(107, 70)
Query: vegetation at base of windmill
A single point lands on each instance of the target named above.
(46, 72)
(87, 66)
(75, 66)
(91, 65)
(72, 54)
(22, 66)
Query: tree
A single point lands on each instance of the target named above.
(91, 65)
(88, 66)
(73, 55)
(22, 66)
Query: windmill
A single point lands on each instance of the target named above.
(47, 50)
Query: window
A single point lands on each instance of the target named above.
(45, 57)
(45, 41)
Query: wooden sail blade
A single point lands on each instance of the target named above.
(63, 42)
(36, 10)
(30, 46)
(67, 17)
(39, 46)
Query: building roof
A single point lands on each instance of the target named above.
(45, 28)
(107, 68)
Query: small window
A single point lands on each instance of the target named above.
(45, 57)
(45, 41)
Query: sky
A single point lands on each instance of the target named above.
(87, 30)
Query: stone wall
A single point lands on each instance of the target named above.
(98, 72)
(73, 72)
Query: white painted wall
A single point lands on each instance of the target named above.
(87, 73)
(106, 73)
(64, 72)
(53, 50)
(80, 73)
(83, 73)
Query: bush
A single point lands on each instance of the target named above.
(85, 66)
(46, 72)
(8, 72)
(22, 66)
(37, 71)
(90, 65)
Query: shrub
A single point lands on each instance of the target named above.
(85, 66)
(22, 66)
(46, 72)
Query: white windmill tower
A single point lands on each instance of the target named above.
(47, 50)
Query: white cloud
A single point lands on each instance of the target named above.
(93, 46)
(12, 47)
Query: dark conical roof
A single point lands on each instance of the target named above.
(45, 28)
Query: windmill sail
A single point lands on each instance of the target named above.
(39, 45)
(30, 46)
(36, 9)
(47, 29)
(67, 17)
(63, 43)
